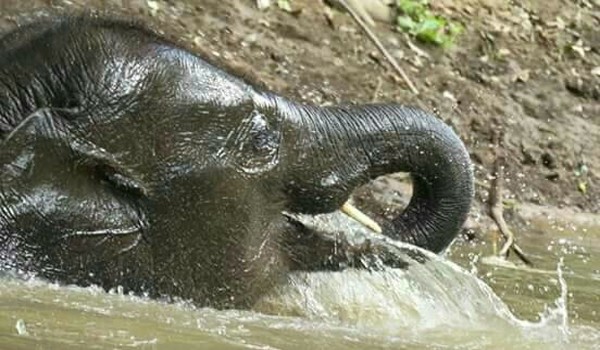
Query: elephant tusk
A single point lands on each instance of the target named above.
(359, 216)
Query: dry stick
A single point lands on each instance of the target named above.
(495, 203)
(377, 89)
(496, 209)
(379, 45)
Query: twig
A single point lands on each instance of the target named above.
(377, 89)
(379, 45)
(495, 205)
(482, 184)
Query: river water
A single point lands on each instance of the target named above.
(465, 300)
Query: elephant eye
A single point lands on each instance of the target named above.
(263, 138)
(261, 151)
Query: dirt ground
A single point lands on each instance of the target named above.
(531, 67)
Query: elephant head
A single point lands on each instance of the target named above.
(127, 159)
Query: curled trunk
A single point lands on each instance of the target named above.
(335, 149)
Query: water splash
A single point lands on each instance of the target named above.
(432, 305)
(428, 299)
(556, 317)
(424, 303)
(435, 304)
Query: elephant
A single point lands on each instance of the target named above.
(129, 160)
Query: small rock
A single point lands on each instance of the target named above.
(251, 38)
(374, 56)
(277, 57)
(579, 48)
(517, 74)
(577, 109)
(398, 54)
(522, 76)
(263, 4)
(584, 87)
(448, 95)
(503, 52)
(393, 41)
(21, 328)
(198, 41)
(596, 71)
(153, 6)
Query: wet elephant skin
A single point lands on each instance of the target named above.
(128, 160)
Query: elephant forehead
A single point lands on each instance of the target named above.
(248, 146)
(200, 81)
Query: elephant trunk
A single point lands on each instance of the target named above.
(333, 150)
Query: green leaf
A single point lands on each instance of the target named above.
(454, 29)
(430, 30)
(416, 19)
(410, 7)
(431, 25)
(406, 23)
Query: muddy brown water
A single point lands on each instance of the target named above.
(465, 300)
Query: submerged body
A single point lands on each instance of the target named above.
(128, 160)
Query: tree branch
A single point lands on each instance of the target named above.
(495, 203)
(379, 45)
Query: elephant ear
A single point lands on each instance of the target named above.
(64, 201)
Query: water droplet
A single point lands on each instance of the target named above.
(330, 180)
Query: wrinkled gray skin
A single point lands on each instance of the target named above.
(127, 160)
